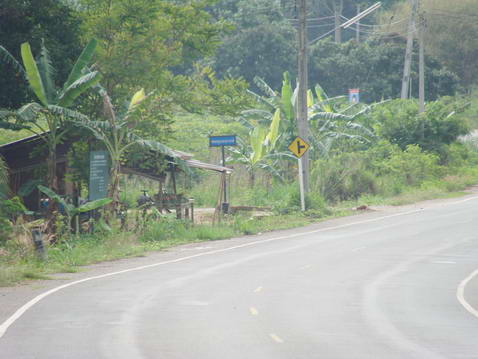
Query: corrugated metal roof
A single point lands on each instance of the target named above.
(208, 166)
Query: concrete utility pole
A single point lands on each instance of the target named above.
(337, 13)
(302, 120)
(409, 51)
(358, 26)
(421, 40)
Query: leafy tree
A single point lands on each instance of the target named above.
(451, 34)
(36, 21)
(376, 67)
(265, 51)
(48, 117)
(399, 122)
(262, 44)
(147, 42)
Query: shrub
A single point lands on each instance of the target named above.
(399, 122)
(343, 177)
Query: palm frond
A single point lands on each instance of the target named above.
(7, 57)
(33, 74)
(78, 87)
(261, 100)
(256, 114)
(264, 87)
(81, 63)
(358, 127)
(47, 73)
(29, 112)
(286, 97)
(329, 116)
(67, 113)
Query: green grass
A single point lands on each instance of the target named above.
(18, 263)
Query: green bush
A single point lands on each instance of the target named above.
(413, 165)
(399, 122)
(343, 177)
(10, 209)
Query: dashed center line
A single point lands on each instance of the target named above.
(253, 311)
(276, 338)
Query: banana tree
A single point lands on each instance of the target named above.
(260, 151)
(70, 210)
(48, 117)
(117, 134)
(330, 118)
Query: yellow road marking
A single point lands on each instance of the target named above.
(276, 338)
(253, 311)
(258, 289)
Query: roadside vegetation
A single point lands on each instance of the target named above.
(175, 73)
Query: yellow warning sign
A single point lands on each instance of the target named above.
(298, 147)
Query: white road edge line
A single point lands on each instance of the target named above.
(460, 294)
(19, 312)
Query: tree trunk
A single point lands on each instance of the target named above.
(52, 180)
(252, 178)
(114, 186)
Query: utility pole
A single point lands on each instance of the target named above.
(302, 120)
(421, 40)
(337, 13)
(409, 51)
(358, 25)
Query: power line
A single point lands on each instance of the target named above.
(388, 34)
(315, 18)
(451, 13)
(379, 25)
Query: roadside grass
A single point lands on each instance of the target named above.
(18, 262)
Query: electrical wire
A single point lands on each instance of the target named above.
(314, 18)
(450, 13)
(455, 15)
(389, 35)
(380, 25)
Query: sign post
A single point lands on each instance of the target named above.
(299, 147)
(222, 141)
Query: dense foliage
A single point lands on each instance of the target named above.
(36, 21)
(375, 67)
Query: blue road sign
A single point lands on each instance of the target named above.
(354, 96)
(218, 141)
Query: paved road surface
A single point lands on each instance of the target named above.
(361, 287)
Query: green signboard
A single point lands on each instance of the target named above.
(99, 175)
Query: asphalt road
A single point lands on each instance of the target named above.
(380, 285)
